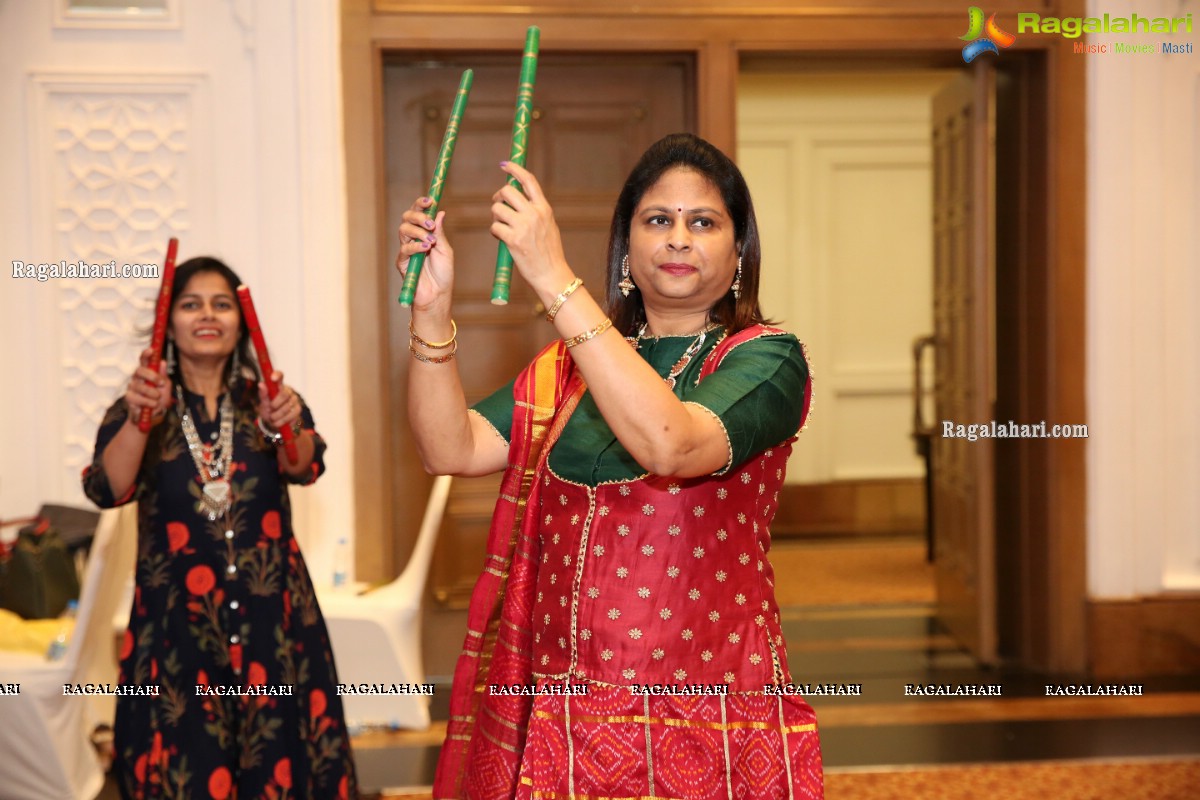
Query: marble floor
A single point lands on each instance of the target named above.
(872, 624)
(886, 644)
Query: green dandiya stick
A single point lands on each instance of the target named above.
(413, 274)
(520, 137)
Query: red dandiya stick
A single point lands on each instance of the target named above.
(162, 314)
(264, 361)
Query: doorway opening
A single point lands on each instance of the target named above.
(841, 159)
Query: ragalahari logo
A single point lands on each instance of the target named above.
(983, 38)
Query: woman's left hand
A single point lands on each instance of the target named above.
(282, 411)
(525, 222)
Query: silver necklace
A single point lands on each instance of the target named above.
(684, 359)
(212, 464)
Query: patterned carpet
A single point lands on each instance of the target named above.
(852, 573)
(1054, 780)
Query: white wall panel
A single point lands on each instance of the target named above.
(1143, 292)
(212, 126)
(839, 166)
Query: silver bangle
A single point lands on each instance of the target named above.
(275, 437)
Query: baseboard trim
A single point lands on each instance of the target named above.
(1148, 636)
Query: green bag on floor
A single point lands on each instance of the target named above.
(37, 574)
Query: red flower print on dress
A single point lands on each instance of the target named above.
(219, 783)
(256, 675)
(177, 536)
(139, 768)
(235, 657)
(283, 772)
(201, 678)
(126, 644)
(316, 703)
(270, 524)
(201, 580)
(156, 751)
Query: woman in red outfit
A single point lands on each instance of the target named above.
(642, 454)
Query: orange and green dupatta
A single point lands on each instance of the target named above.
(485, 731)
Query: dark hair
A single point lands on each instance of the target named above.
(245, 348)
(688, 151)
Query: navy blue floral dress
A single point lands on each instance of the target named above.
(225, 622)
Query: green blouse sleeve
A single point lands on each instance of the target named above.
(497, 408)
(758, 394)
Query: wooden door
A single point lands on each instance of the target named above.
(593, 116)
(964, 330)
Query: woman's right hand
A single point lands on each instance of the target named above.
(148, 389)
(421, 234)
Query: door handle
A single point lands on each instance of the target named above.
(921, 431)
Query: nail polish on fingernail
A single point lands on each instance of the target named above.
(424, 245)
(504, 163)
(428, 224)
(430, 239)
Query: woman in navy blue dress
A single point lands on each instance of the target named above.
(225, 621)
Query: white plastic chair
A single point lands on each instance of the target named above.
(45, 737)
(376, 636)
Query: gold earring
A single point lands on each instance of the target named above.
(736, 288)
(626, 285)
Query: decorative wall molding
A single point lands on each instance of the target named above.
(114, 175)
(243, 15)
(129, 15)
(674, 8)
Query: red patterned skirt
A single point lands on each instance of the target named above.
(613, 743)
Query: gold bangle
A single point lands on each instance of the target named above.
(562, 298)
(419, 356)
(583, 337)
(412, 334)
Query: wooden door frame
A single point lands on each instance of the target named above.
(1052, 574)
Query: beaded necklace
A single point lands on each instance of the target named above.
(212, 463)
(684, 359)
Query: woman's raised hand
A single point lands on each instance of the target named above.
(525, 222)
(148, 389)
(421, 234)
(282, 410)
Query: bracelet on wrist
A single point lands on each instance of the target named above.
(562, 298)
(586, 335)
(412, 334)
(273, 436)
(419, 356)
(135, 417)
